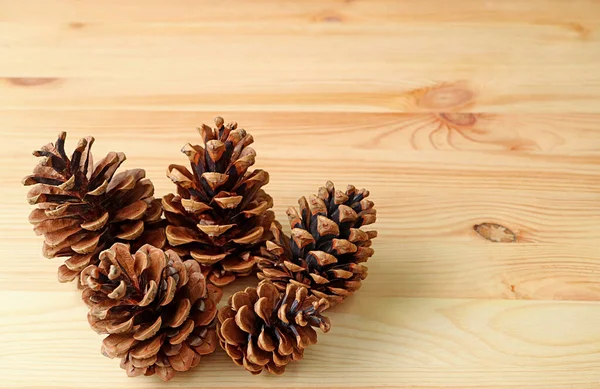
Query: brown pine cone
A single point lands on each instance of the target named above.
(327, 246)
(261, 328)
(83, 209)
(156, 308)
(220, 213)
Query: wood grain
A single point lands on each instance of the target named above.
(297, 56)
(377, 342)
(475, 125)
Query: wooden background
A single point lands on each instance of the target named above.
(453, 113)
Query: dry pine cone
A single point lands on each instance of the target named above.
(327, 246)
(220, 213)
(156, 309)
(261, 328)
(83, 209)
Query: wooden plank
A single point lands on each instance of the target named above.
(291, 11)
(551, 134)
(402, 268)
(374, 343)
(134, 88)
(397, 51)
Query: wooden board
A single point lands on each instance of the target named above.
(456, 116)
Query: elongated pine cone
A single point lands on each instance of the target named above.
(261, 328)
(220, 214)
(156, 309)
(327, 247)
(84, 208)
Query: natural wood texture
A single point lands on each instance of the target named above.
(378, 342)
(474, 124)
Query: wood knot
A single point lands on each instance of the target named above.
(30, 81)
(332, 19)
(445, 97)
(579, 29)
(76, 25)
(495, 232)
(328, 17)
(459, 119)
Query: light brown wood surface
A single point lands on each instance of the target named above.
(454, 114)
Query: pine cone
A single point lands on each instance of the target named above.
(156, 308)
(82, 209)
(327, 246)
(261, 328)
(220, 214)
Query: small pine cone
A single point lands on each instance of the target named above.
(261, 328)
(327, 247)
(156, 309)
(83, 209)
(220, 213)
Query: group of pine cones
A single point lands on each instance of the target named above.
(152, 284)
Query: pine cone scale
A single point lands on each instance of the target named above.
(147, 348)
(148, 330)
(116, 344)
(185, 330)
(96, 223)
(78, 262)
(133, 211)
(205, 316)
(66, 275)
(237, 265)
